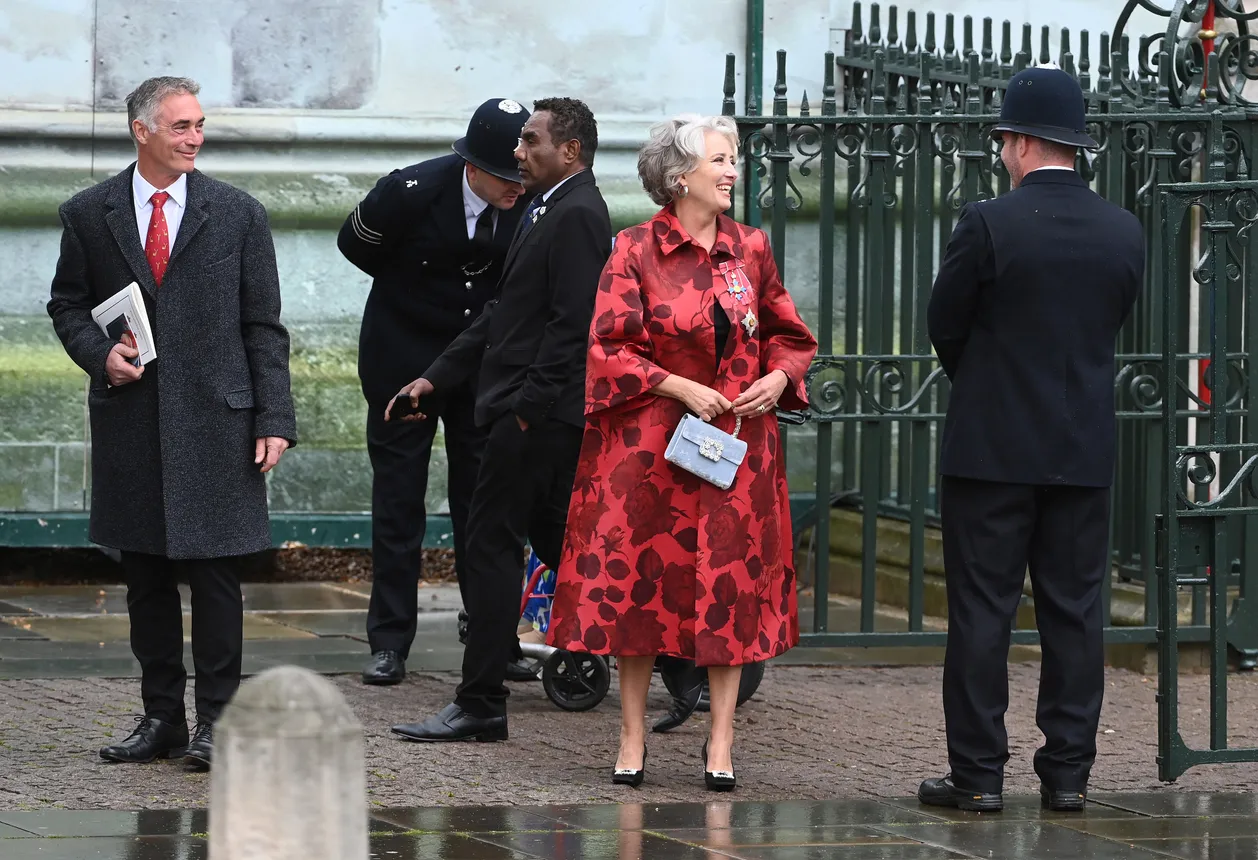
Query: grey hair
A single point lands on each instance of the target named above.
(144, 100)
(675, 147)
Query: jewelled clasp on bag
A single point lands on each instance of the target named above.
(712, 449)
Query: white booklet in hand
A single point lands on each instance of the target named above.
(122, 317)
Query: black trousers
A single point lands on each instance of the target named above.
(992, 534)
(522, 494)
(153, 606)
(400, 452)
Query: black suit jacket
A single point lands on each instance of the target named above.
(410, 234)
(1024, 314)
(530, 341)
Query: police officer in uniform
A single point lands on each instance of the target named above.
(433, 236)
(1030, 295)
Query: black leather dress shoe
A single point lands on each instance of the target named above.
(521, 670)
(941, 792)
(455, 724)
(152, 738)
(201, 748)
(1062, 800)
(386, 668)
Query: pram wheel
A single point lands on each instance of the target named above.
(576, 681)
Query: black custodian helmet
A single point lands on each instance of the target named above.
(492, 136)
(1046, 103)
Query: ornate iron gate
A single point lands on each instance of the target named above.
(1211, 489)
(900, 143)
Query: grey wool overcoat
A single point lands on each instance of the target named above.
(172, 454)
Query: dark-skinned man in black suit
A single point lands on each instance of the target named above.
(433, 236)
(1024, 315)
(530, 346)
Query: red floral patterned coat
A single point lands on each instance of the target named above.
(656, 560)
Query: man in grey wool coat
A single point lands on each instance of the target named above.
(180, 447)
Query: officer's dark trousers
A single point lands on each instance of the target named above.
(992, 534)
(156, 613)
(399, 452)
(522, 494)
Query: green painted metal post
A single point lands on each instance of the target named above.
(754, 64)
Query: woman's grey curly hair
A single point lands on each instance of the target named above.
(674, 148)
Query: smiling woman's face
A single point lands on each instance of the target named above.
(711, 182)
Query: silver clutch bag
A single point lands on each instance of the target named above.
(702, 450)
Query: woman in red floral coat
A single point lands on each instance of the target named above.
(690, 316)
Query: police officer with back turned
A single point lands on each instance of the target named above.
(1031, 293)
(433, 236)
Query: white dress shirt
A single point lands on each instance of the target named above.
(473, 206)
(173, 209)
(546, 196)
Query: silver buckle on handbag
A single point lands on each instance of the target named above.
(712, 449)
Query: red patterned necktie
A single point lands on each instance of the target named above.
(157, 245)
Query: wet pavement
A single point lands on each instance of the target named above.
(1185, 825)
(828, 754)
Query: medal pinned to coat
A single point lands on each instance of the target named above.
(738, 285)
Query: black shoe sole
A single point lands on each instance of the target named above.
(719, 783)
(488, 736)
(1060, 806)
(381, 682)
(965, 804)
(633, 780)
(196, 764)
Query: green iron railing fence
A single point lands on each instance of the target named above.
(901, 142)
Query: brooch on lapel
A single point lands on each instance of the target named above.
(750, 322)
(737, 283)
(538, 213)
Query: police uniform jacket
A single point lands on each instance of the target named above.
(429, 281)
(1025, 311)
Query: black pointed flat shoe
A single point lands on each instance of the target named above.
(631, 778)
(717, 780)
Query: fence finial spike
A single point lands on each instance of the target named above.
(893, 26)
(829, 105)
(779, 86)
(910, 36)
(950, 41)
(727, 106)
(1046, 55)
(929, 44)
(875, 23)
(858, 26)
(1006, 44)
(967, 40)
(987, 40)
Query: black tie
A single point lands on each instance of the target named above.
(484, 235)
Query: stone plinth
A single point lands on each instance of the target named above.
(288, 781)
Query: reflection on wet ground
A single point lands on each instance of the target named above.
(1190, 825)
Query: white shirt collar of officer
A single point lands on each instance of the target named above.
(473, 206)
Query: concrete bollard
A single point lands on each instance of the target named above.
(288, 781)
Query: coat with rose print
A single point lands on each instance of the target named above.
(656, 560)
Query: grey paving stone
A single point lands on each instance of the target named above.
(810, 734)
